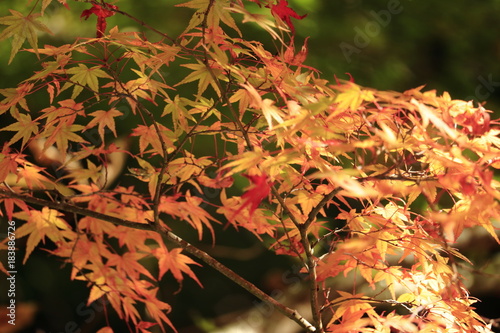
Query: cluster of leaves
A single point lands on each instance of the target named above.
(407, 172)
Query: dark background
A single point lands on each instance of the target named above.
(447, 45)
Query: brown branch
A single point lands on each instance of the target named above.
(203, 256)
(315, 211)
(313, 283)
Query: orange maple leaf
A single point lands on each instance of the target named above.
(104, 118)
(47, 222)
(176, 262)
(149, 136)
(8, 162)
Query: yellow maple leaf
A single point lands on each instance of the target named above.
(84, 76)
(270, 112)
(20, 28)
(244, 161)
(24, 127)
(32, 177)
(61, 135)
(351, 97)
(15, 97)
(203, 75)
(180, 114)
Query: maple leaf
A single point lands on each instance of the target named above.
(23, 128)
(189, 211)
(270, 111)
(202, 74)
(32, 177)
(8, 163)
(143, 326)
(254, 196)
(14, 97)
(350, 98)
(295, 59)
(307, 201)
(92, 172)
(135, 239)
(104, 118)
(175, 262)
(260, 19)
(61, 135)
(102, 13)
(85, 76)
(46, 222)
(9, 207)
(215, 11)
(21, 28)
(128, 263)
(149, 136)
(285, 13)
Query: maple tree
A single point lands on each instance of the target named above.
(407, 172)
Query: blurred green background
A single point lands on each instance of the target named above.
(447, 45)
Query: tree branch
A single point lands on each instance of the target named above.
(313, 283)
(203, 256)
(315, 211)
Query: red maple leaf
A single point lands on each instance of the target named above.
(254, 196)
(285, 13)
(102, 13)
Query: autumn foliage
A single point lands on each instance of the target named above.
(405, 173)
